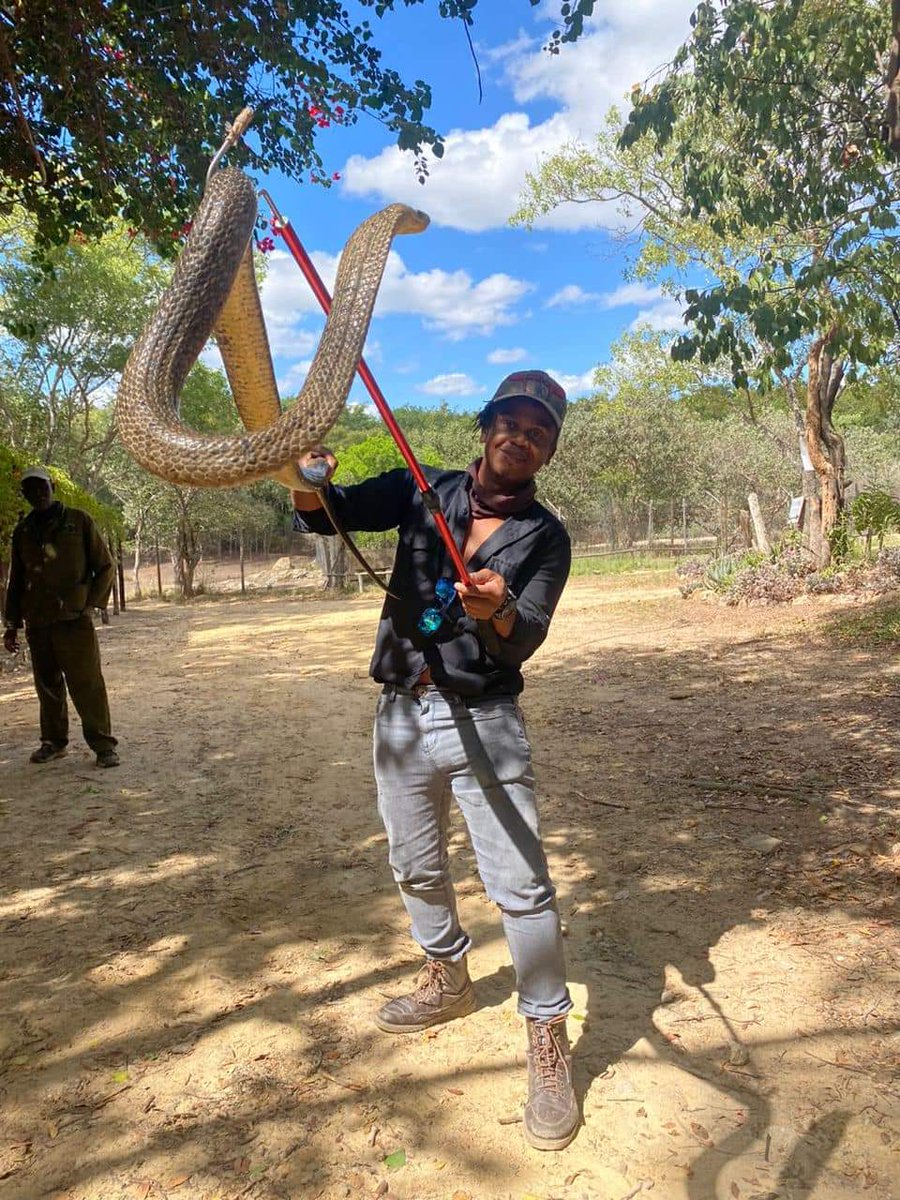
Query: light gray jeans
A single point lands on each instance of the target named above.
(428, 744)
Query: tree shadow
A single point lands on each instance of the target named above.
(123, 899)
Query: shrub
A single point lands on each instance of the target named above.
(826, 582)
(875, 513)
(765, 583)
(692, 572)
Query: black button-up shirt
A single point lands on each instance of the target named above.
(531, 550)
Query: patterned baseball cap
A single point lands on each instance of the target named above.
(534, 385)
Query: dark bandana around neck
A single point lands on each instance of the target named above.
(486, 503)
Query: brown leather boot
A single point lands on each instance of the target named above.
(551, 1113)
(443, 991)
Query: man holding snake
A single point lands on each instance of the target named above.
(449, 658)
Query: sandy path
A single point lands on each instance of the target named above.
(191, 946)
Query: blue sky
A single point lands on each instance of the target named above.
(471, 299)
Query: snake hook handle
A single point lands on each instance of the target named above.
(234, 132)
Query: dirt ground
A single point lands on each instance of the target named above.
(192, 945)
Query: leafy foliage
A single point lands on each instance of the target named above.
(755, 578)
(875, 513)
(66, 326)
(13, 504)
(771, 115)
(114, 109)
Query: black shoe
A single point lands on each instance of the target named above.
(46, 751)
(551, 1113)
(107, 758)
(443, 991)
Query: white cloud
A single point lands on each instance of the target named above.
(576, 385)
(667, 314)
(632, 293)
(211, 357)
(290, 383)
(571, 295)
(454, 384)
(475, 186)
(500, 357)
(451, 303)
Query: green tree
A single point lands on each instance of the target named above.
(440, 437)
(66, 326)
(114, 109)
(376, 453)
(667, 245)
(770, 115)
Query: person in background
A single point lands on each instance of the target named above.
(449, 660)
(60, 570)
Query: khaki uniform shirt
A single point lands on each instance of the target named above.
(60, 567)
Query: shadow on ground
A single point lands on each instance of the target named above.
(191, 946)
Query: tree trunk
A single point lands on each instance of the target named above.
(331, 556)
(121, 566)
(722, 532)
(110, 545)
(746, 534)
(187, 556)
(136, 567)
(825, 447)
(892, 113)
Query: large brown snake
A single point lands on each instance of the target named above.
(214, 289)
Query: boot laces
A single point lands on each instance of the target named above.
(430, 982)
(548, 1057)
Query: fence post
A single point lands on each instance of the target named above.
(158, 570)
(241, 549)
(759, 525)
(115, 587)
(650, 531)
(121, 574)
(684, 522)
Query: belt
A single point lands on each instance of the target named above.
(394, 689)
(417, 691)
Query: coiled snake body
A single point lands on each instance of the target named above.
(214, 289)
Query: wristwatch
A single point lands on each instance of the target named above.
(507, 608)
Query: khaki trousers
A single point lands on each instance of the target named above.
(67, 654)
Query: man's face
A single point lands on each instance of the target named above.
(38, 493)
(520, 440)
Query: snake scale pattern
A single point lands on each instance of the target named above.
(213, 289)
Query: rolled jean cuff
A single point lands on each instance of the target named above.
(546, 1012)
(455, 956)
